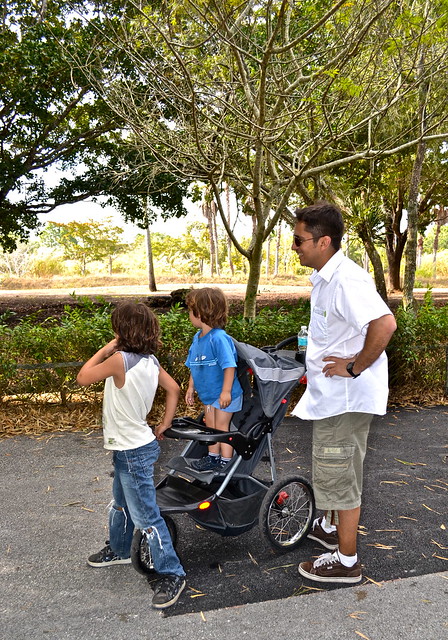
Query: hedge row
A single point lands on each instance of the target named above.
(30, 351)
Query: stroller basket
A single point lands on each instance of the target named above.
(234, 511)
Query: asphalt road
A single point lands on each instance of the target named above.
(55, 491)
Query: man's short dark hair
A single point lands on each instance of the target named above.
(323, 219)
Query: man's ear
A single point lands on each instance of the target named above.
(325, 242)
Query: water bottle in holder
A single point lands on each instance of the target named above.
(302, 343)
(302, 339)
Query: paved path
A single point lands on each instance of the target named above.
(54, 494)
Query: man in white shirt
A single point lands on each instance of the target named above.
(350, 326)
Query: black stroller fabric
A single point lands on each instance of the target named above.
(276, 375)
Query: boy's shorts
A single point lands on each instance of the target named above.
(339, 448)
(233, 407)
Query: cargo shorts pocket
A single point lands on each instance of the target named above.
(333, 472)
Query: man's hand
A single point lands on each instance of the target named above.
(337, 367)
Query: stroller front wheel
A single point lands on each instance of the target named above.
(286, 513)
(141, 556)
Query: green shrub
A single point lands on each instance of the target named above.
(417, 350)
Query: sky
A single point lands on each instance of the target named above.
(84, 211)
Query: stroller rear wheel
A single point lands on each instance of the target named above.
(141, 556)
(286, 513)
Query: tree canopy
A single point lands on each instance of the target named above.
(51, 118)
(274, 96)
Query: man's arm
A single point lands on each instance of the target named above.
(378, 335)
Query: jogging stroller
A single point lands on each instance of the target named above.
(232, 501)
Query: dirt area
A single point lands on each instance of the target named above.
(42, 304)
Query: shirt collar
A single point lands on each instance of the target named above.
(327, 271)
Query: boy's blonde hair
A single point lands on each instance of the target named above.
(210, 305)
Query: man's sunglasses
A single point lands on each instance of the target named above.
(298, 241)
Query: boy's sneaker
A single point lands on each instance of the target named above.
(207, 463)
(328, 568)
(318, 533)
(167, 591)
(106, 558)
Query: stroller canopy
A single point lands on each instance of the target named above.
(275, 372)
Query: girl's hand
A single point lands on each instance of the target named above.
(189, 397)
(110, 348)
(225, 399)
(158, 431)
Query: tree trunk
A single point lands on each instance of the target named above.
(411, 245)
(278, 247)
(150, 262)
(250, 301)
(441, 220)
(268, 255)
(215, 237)
(419, 250)
(414, 187)
(229, 242)
(378, 271)
(210, 215)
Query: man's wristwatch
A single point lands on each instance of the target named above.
(349, 368)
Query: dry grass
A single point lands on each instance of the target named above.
(44, 414)
(137, 279)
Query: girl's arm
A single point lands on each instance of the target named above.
(172, 397)
(226, 392)
(104, 364)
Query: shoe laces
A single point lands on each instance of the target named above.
(167, 585)
(326, 558)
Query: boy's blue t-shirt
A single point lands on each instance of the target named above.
(207, 358)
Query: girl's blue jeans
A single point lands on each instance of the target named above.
(135, 506)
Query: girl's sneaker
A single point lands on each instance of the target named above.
(106, 558)
(167, 591)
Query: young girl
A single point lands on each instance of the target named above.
(132, 375)
(212, 363)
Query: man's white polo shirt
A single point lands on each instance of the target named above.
(343, 302)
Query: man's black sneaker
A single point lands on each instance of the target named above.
(167, 591)
(106, 558)
(318, 534)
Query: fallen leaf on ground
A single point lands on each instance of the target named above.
(252, 558)
(412, 464)
(378, 584)
(438, 544)
(378, 545)
(429, 509)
